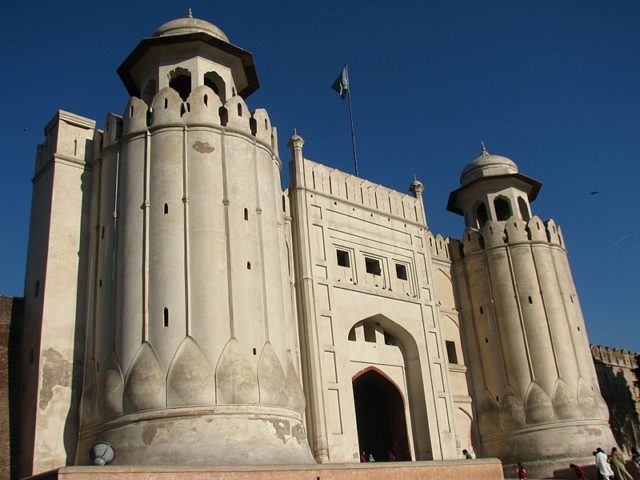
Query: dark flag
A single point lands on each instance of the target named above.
(341, 85)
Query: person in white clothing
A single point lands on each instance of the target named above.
(604, 470)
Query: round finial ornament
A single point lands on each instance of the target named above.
(102, 453)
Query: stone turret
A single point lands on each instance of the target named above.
(192, 354)
(538, 400)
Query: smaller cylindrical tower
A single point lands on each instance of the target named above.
(537, 399)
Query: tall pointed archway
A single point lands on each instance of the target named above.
(380, 416)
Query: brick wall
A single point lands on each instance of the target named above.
(10, 323)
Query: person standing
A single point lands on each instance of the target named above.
(617, 462)
(522, 473)
(577, 469)
(466, 454)
(604, 470)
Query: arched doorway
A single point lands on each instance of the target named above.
(380, 417)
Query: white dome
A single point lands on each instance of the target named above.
(181, 26)
(487, 165)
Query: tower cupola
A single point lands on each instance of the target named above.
(492, 188)
(185, 54)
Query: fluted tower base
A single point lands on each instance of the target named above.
(222, 435)
(544, 449)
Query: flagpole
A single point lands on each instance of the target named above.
(353, 135)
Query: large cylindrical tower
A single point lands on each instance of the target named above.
(537, 397)
(192, 350)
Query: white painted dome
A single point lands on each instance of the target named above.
(181, 26)
(487, 165)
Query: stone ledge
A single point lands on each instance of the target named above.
(482, 469)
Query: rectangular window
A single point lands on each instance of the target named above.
(343, 258)
(452, 355)
(401, 271)
(373, 266)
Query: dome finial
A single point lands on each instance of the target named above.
(484, 151)
(189, 13)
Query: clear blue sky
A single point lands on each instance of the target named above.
(552, 84)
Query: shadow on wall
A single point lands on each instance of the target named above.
(623, 414)
(15, 386)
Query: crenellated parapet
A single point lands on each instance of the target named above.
(202, 108)
(615, 356)
(374, 197)
(440, 246)
(512, 232)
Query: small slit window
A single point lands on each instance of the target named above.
(246, 214)
(342, 257)
(373, 266)
(239, 110)
(401, 271)
(166, 317)
(248, 265)
(369, 332)
(36, 289)
(166, 208)
(452, 354)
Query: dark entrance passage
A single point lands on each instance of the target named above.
(382, 426)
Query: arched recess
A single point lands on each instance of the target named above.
(502, 207)
(149, 92)
(180, 81)
(396, 336)
(216, 83)
(481, 214)
(524, 209)
(380, 416)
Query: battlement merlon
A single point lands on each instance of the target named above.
(331, 182)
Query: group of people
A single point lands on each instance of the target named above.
(612, 466)
(608, 467)
(369, 458)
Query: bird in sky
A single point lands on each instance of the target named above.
(595, 192)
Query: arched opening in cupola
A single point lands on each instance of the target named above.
(503, 208)
(180, 81)
(149, 92)
(481, 215)
(216, 83)
(524, 209)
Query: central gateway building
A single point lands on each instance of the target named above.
(186, 309)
